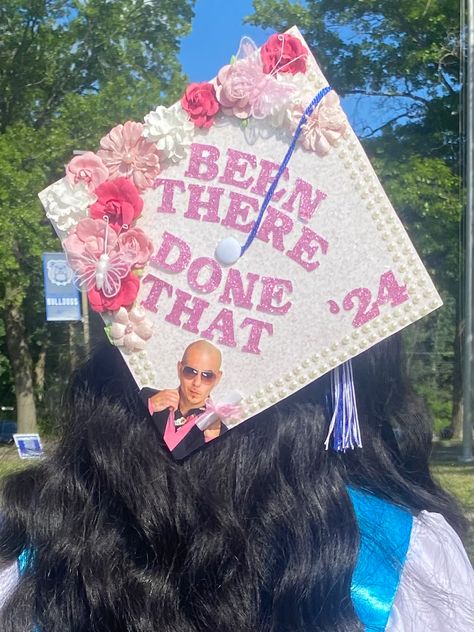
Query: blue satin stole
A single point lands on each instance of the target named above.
(385, 531)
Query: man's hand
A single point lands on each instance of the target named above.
(169, 398)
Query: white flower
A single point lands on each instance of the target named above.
(66, 204)
(130, 330)
(171, 130)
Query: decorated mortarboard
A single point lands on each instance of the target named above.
(239, 245)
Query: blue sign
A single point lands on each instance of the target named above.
(62, 296)
(28, 446)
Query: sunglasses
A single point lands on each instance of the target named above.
(208, 377)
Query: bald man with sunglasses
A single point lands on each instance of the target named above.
(199, 371)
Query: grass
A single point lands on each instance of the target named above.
(457, 478)
(453, 475)
(10, 461)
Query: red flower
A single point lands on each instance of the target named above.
(283, 53)
(124, 298)
(119, 200)
(200, 103)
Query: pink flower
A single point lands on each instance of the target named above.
(248, 91)
(130, 330)
(87, 169)
(119, 200)
(283, 53)
(88, 237)
(136, 246)
(200, 103)
(233, 91)
(324, 127)
(124, 298)
(127, 154)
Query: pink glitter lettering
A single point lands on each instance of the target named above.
(204, 156)
(364, 313)
(239, 208)
(182, 255)
(390, 291)
(158, 286)
(204, 263)
(223, 322)
(307, 204)
(237, 163)
(268, 171)
(194, 312)
(272, 295)
(169, 187)
(196, 202)
(234, 286)
(275, 224)
(306, 247)
(257, 327)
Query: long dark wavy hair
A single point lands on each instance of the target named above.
(253, 533)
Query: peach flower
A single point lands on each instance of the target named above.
(324, 127)
(127, 154)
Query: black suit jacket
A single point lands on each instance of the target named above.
(195, 437)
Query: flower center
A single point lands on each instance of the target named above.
(84, 175)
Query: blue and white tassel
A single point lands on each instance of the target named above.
(344, 426)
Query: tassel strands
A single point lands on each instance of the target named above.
(344, 426)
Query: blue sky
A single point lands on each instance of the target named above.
(217, 29)
(215, 37)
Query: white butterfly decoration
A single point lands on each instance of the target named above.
(102, 270)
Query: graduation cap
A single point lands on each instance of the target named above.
(239, 245)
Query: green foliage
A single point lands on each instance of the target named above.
(429, 362)
(425, 192)
(54, 48)
(69, 71)
(407, 51)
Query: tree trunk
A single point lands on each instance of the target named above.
(22, 365)
(40, 368)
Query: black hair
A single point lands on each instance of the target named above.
(254, 532)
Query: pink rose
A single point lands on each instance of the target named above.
(88, 237)
(88, 169)
(127, 154)
(248, 91)
(124, 298)
(283, 53)
(234, 90)
(200, 103)
(119, 200)
(136, 245)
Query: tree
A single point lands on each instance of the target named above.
(69, 71)
(405, 53)
(406, 57)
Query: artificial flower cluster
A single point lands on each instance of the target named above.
(272, 83)
(96, 205)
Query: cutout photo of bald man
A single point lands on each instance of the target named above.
(176, 411)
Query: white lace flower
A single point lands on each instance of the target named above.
(171, 130)
(130, 330)
(66, 204)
